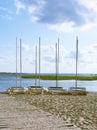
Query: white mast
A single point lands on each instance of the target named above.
(39, 60)
(16, 61)
(76, 60)
(57, 62)
(56, 66)
(20, 62)
(36, 66)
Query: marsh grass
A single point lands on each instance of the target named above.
(53, 77)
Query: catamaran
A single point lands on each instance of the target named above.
(18, 89)
(36, 89)
(77, 90)
(56, 89)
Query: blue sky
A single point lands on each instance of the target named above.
(50, 20)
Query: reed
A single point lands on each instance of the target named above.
(53, 77)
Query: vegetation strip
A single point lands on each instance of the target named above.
(53, 77)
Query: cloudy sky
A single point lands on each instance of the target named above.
(49, 20)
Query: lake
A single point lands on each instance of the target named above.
(8, 80)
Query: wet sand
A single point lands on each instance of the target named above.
(80, 111)
(31, 112)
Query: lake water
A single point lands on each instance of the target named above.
(8, 80)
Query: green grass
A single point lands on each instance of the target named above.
(53, 77)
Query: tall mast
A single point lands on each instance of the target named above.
(39, 61)
(58, 59)
(76, 60)
(20, 62)
(16, 61)
(36, 66)
(56, 65)
(57, 62)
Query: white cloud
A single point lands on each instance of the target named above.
(32, 9)
(26, 47)
(19, 5)
(89, 4)
(34, 19)
(70, 27)
(61, 15)
(89, 54)
(48, 49)
(62, 27)
(35, 10)
(87, 26)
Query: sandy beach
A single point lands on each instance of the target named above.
(16, 113)
(48, 112)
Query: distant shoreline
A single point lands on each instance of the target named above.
(67, 74)
(52, 76)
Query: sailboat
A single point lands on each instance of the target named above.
(77, 90)
(37, 88)
(56, 89)
(18, 89)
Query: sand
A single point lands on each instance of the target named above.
(16, 113)
(48, 112)
(77, 110)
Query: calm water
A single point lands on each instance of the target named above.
(9, 80)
